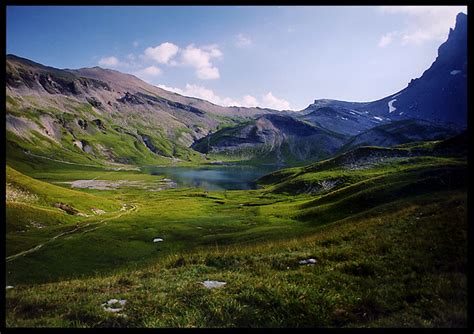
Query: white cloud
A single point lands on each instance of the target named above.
(213, 50)
(200, 59)
(162, 53)
(387, 39)
(423, 23)
(208, 73)
(171, 89)
(148, 74)
(135, 43)
(202, 93)
(151, 71)
(114, 62)
(109, 61)
(270, 101)
(242, 41)
(249, 101)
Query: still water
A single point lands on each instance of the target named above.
(222, 177)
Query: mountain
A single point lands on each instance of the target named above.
(399, 132)
(439, 95)
(431, 107)
(346, 121)
(104, 115)
(275, 138)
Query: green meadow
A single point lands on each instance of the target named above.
(389, 240)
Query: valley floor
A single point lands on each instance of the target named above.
(388, 242)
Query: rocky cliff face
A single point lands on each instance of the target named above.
(439, 95)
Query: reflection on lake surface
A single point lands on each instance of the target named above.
(222, 177)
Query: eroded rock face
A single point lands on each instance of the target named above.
(131, 99)
(94, 102)
(67, 208)
(99, 124)
(82, 124)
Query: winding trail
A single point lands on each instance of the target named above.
(102, 222)
(133, 208)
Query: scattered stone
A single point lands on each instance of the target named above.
(9, 287)
(98, 211)
(36, 224)
(158, 240)
(213, 284)
(15, 194)
(67, 208)
(80, 214)
(114, 305)
(308, 261)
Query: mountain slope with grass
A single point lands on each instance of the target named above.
(104, 116)
(272, 138)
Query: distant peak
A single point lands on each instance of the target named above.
(461, 16)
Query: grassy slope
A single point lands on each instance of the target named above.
(123, 147)
(379, 238)
(402, 265)
(32, 217)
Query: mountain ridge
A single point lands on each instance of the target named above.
(52, 110)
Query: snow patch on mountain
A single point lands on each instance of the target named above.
(391, 108)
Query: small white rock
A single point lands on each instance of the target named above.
(9, 287)
(111, 305)
(157, 240)
(114, 310)
(308, 261)
(213, 284)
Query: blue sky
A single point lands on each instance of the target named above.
(282, 57)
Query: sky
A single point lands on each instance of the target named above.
(281, 57)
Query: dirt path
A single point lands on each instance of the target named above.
(103, 222)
